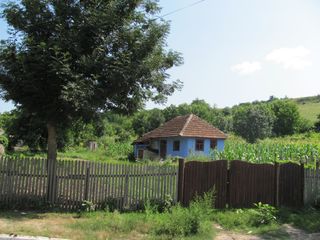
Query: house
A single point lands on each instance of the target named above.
(180, 137)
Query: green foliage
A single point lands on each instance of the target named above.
(264, 214)
(286, 117)
(157, 205)
(250, 220)
(88, 206)
(115, 151)
(4, 140)
(317, 124)
(304, 126)
(68, 60)
(110, 204)
(309, 107)
(221, 118)
(269, 151)
(145, 121)
(307, 219)
(253, 122)
(183, 222)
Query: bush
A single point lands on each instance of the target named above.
(183, 222)
(87, 206)
(263, 214)
(157, 205)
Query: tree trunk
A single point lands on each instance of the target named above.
(52, 159)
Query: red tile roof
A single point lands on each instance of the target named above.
(184, 126)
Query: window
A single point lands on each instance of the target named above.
(176, 145)
(213, 143)
(199, 145)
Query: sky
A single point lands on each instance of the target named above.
(241, 50)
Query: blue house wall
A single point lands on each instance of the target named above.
(187, 146)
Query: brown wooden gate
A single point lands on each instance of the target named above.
(251, 183)
(291, 181)
(201, 177)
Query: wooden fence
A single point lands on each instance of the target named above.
(241, 184)
(251, 183)
(312, 186)
(123, 185)
(24, 182)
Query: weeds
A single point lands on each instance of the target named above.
(184, 222)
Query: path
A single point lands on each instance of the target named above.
(16, 237)
(293, 233)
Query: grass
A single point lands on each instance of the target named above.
(114, 152)
(193, 223)
(248, 221)
(309, 107)
(307, 219)
(175, 223)
(96, 225)
(80, 153)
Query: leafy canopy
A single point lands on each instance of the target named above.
(67, 60)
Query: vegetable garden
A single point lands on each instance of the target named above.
(270, 152)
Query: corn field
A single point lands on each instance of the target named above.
(270, 152)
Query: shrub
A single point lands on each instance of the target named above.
(183, 222)
(157, 205)
(263, 214)
(87, 206)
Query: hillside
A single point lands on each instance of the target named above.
(309, 107)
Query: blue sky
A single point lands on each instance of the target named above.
(242, 50)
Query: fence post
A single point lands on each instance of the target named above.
(276, 183)
(181, 180)
(86, 188)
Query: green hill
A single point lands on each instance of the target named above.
(309, 107)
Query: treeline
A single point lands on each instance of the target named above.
(252, 121)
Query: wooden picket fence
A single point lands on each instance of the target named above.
(125, 186)
(312, 186)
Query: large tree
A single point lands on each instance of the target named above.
(70, 59)
(287, 117)
(253, 122)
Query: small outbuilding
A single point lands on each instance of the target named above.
(180, 137)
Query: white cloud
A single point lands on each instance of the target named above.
(246, 68)
(290, 58)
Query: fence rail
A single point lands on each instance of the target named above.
(122, 185)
